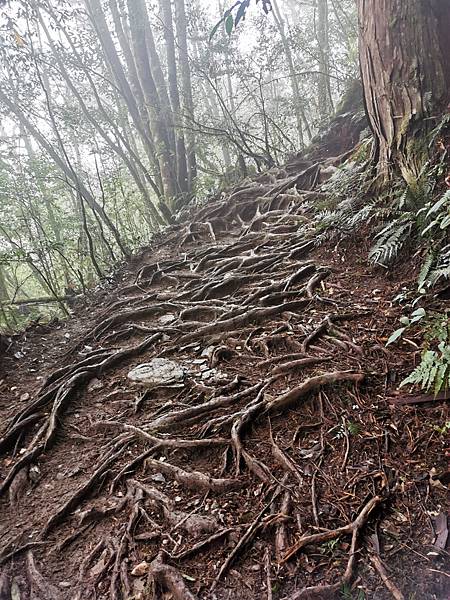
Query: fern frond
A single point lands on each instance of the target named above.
(433, 371)
(436, 207)
(425, 270)
(390, 241)
(441, 269)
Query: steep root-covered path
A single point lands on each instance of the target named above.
(265, 462)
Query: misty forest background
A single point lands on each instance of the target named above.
(113, 120)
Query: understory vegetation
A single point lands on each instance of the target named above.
(407, 216)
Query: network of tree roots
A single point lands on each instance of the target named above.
(278, 469)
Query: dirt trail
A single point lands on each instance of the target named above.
(273, 467)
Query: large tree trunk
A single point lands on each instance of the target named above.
(405, 67)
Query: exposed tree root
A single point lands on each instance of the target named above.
(169, 579)
(9, 554)
(120, 570)
(40, 588)
(81, 375)
(195, 480)
(246, 538)
(352, 528)
(195, 412)
(294, 365)
(315, 281)
(12, 435)
(390, 585)
(286, 462)
(255, 315)
(162, 442)
(237, 315)
(193, 524)
(201, 545)
(310, 385)
(83, 491)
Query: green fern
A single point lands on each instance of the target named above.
(439, 269)
(425, 270)
(391, 239)
(437, 217)
(433, 371)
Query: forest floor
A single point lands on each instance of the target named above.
(277, 460)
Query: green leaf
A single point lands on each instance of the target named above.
(418, 314)
(441, 378)
(404, 321)
(394, 337)
(439, 204)
(214, 30)
(425, 270)
(229, 24)
(430, 226)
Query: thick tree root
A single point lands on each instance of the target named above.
(82, 492)
(195, 480)
(40, 588)
(201, 545)
(242, 316)
(45, 437)
(352, 528)
(169, 579)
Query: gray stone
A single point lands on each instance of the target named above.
(157, 372)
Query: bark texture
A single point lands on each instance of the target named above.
(185, 68)
(180, 147)
(405, 67)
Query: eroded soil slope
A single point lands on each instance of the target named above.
(275, 462)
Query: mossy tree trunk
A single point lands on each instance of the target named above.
(405, 67)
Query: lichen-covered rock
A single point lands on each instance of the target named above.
(157, 372)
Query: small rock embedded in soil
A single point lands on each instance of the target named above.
(159, 371)
(140, 570)
(95, 384)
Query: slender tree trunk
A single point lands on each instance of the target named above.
(405, 67)
(54, 225)
(182, 169)
(188, 102)
(4, 294)
(137, 18)
(127, 154)
(160, 81)
(120, 26)
(124, 42)
(131, 96)
(324, 87)
(64, 166)
(292, 75)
